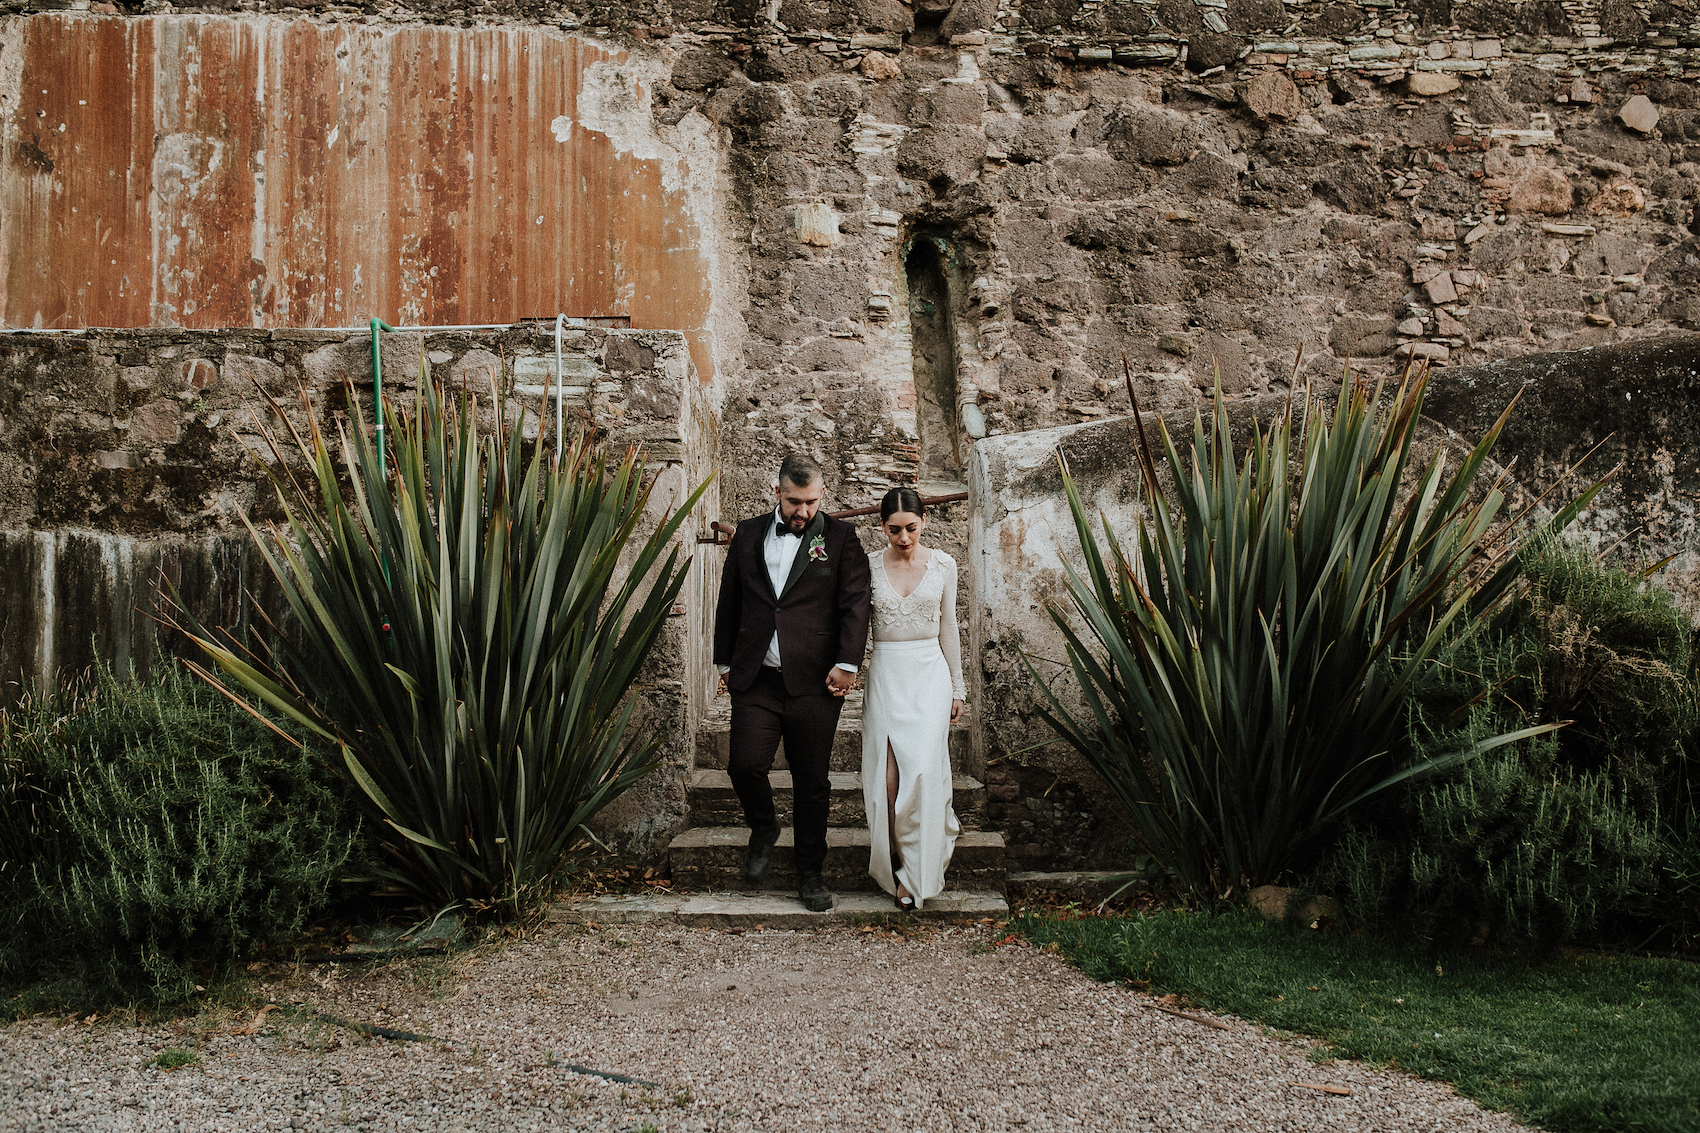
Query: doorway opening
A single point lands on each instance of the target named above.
(932, 329)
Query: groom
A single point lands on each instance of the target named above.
(788, 638)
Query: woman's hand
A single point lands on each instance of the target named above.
(956, 707)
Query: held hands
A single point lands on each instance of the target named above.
(839, 682)
(956, 710)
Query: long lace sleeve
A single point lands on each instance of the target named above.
(950, 639)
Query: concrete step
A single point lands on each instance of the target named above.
(714, 737)
(766, 910)
(711, 858)
(713, 802)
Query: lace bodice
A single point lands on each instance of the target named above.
(929, 612)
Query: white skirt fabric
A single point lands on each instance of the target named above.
(908, 706)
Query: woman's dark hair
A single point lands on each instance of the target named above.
(901, 499)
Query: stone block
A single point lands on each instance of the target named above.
(157, 423)
(1544, 190)
(1431, 83)
(1639, 114)
(1277, 903)
(1272, 95)
(816, 225)
(1433, 351)
(878, 65)
(245, 371)
(623, 356)
(1440, 289)
(199, 373)
(134, 380)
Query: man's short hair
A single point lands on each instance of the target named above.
(800, 471)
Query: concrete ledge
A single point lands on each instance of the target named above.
(1088, 885)
(765, 910)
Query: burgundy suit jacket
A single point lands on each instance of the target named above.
(820, 614)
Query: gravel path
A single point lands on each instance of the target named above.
(840, 1029)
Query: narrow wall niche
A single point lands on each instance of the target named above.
(933, 351)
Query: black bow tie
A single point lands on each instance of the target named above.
(783, 528)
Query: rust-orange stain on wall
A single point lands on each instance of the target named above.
(212, 172)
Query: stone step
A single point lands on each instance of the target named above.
(771, 911)
(713, 802)
(714, 738)
(711, 858)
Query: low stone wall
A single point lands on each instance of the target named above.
(1638, 405)
(133, 456)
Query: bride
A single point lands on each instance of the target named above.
(914, 695)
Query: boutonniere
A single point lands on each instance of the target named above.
(817, 549)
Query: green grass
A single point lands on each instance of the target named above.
(1562, 1041)
(175, 1058)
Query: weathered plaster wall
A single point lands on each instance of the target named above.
(132, 454)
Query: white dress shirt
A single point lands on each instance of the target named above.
(779, 552)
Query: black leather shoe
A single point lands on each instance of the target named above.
(760, 854)
(813, 892)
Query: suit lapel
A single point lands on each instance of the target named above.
(758, 555)
(816, 527)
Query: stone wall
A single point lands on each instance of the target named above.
(134, 455)
(1204, 189)
(920, 225)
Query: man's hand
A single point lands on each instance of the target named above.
(839, 681)
(720, 685)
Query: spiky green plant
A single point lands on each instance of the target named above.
(1244, 676)
(465, 630)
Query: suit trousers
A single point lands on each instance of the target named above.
(762, 715)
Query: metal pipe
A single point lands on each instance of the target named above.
(378, 385)
(378, 430)
(560, 387)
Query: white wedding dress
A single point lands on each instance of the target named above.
(915, 672)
